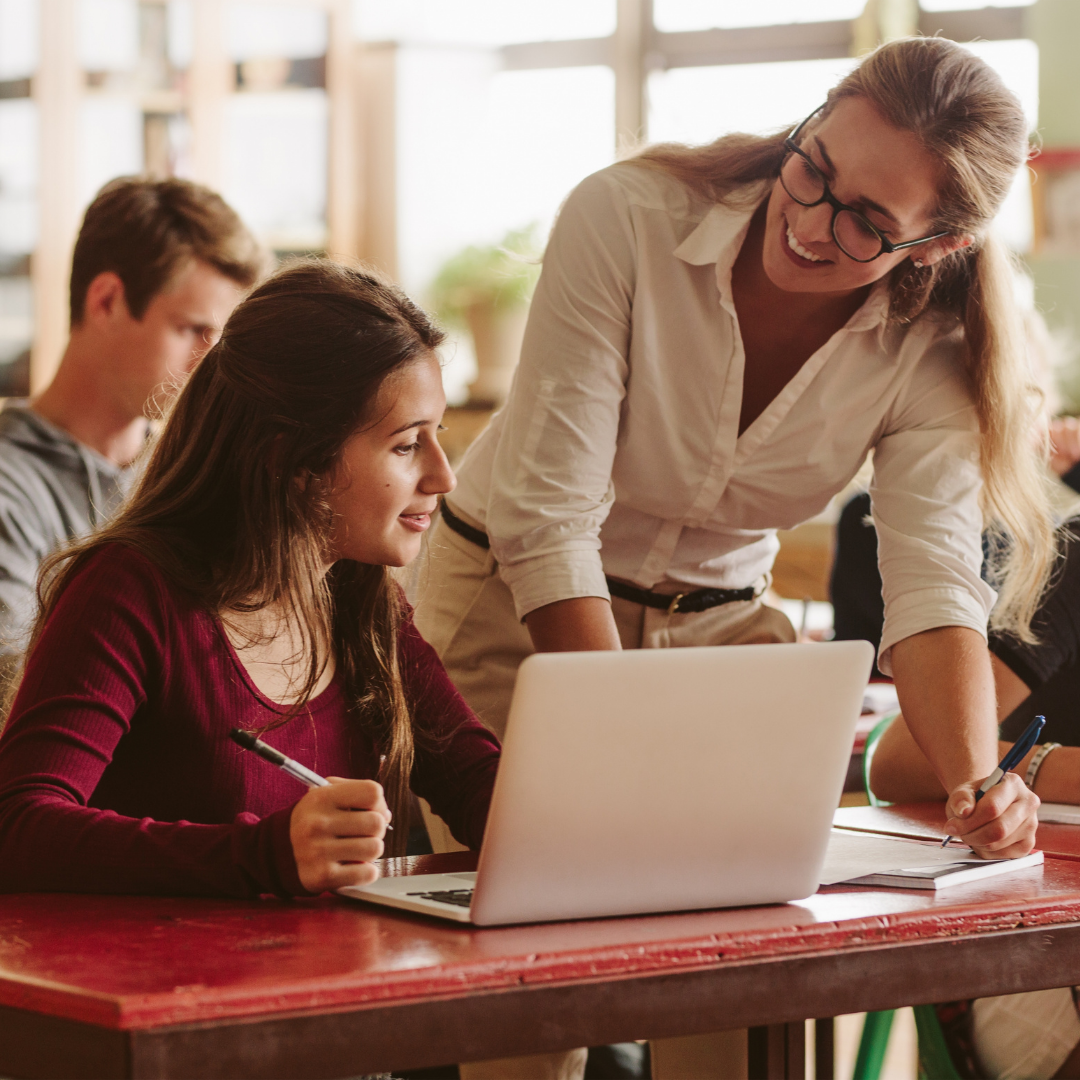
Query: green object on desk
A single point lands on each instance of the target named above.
(935, 1062)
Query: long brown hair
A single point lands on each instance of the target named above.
(975, 128)
(220, 510)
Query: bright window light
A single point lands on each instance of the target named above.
(482, 22)
(289, 31)
(18, 176)
(697, 105)
(18, 226)
(500, 151)
(18, 146)
(481, 152)
(179, 32)
(108, 35)
(969, 5)
(18, 38)
(275, 165)
(1017, 62)
(111, 141)
(16, 320)
(551, 130)
(675, 15)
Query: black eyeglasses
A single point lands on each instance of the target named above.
(855, 236)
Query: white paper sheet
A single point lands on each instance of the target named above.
(852, 855)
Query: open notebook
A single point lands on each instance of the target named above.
(870, 859)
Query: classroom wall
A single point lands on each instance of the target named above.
(1054, 25)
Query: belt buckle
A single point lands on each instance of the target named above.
(673, 607)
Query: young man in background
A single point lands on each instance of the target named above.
(158, 266)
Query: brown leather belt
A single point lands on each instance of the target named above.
(680, 604)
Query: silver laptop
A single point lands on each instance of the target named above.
(657, 780)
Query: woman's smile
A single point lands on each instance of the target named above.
(417, 522)
(798, 254)
(393, 461)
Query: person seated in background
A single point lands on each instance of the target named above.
(157, 268)
(1034, 1035)
(1030, 679)
(859, 609)
(855, 583)
(246, 583)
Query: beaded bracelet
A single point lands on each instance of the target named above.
(1036, 762)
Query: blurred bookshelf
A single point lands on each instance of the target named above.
(205, 89)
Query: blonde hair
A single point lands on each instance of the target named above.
(975, 128)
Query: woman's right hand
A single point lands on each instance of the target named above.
(1001, 825)
(336, 832)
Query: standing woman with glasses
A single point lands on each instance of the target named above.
(719, 337)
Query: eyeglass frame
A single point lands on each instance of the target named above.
(887, 246)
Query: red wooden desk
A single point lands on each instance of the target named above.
(139, 986)
(926, 821)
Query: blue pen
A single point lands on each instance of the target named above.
(1011, 759)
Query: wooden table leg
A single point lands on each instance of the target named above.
(824, 1048)
(777, 1052)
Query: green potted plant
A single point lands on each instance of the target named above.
(486, 291)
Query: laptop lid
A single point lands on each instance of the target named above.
(668, 779)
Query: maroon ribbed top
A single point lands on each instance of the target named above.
(117, 773)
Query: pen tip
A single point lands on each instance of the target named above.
(245, 738)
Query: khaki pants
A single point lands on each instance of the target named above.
(466, 612)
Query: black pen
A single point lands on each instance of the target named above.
(297, 771)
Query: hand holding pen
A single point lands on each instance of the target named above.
(336, 829)
(1009, 762)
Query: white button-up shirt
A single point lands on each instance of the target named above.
(619, 451)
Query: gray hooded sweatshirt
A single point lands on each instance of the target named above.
(52, 490)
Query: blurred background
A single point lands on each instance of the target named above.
(437, 138)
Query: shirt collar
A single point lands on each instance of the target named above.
(720, 232)
(719, 235)
(874, 313)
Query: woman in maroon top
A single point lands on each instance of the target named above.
(246, 584)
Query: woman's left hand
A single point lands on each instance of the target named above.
(1001, 825)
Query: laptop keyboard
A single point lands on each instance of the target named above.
(457, 897)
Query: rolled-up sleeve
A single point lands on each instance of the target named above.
(926, 505)
(551, 487)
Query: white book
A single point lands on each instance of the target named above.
(1059, 813)
(942, 875)
(869, 859)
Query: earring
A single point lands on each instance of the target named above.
(919, 263)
